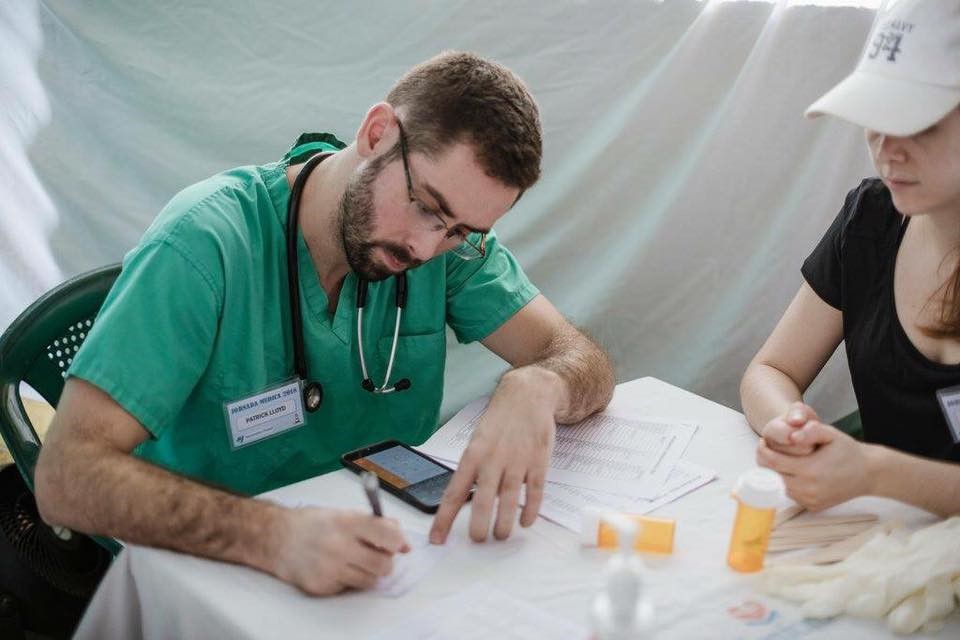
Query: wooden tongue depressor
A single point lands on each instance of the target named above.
(813, 521)
(814, 530)
(787, 513)
(836, 551)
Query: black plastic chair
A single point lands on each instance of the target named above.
(37, 348)
(851, 425)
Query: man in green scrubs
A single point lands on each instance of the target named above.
(189, 364)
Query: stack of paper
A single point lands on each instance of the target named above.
(605, 461)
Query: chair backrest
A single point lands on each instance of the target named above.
(37, 348)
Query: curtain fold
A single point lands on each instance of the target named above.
(27, 215)
(681, 187)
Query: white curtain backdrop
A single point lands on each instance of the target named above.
(681, 187)
(27, 215)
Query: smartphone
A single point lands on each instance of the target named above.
(413, 477)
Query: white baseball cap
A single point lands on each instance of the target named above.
(908, 77)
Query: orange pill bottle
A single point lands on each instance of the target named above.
(757, 492)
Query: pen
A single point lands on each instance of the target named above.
(371, 486)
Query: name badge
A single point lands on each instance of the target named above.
(265, 414)
(950, 406)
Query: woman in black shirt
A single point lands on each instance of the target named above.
(885, 279)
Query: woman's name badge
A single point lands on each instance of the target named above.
(265, 414)
(950, 405)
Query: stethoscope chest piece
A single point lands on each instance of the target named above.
(401, 301)
(312, 396)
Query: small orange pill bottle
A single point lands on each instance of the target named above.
(654, 535)
(758, 492)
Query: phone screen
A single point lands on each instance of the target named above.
(408, 471)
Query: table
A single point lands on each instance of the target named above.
(155, 594)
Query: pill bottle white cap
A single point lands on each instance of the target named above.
(759, 488)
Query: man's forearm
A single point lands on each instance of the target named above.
(929, 484)
(582, 378)
(114, 494)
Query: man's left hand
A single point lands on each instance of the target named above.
(510, 447)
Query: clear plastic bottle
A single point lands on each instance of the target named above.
(758, 492)
(622, 611)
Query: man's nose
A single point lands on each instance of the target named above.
(424, 245)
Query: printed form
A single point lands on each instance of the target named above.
(605, 453)
(563, 504)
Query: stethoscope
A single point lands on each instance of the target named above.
(312, 390)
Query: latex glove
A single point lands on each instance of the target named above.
(911, 579)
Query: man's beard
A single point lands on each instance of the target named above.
(356, 226)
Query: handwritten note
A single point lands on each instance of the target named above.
(410, 568)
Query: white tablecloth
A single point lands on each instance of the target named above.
(156, 594)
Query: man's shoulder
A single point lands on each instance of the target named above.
(238, 205)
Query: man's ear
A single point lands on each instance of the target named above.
(378, 131)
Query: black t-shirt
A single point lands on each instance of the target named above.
(851, 269)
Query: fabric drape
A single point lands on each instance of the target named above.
(681, 186)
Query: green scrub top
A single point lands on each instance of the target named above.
(200, 316)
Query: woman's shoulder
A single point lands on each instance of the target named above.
(868, 211)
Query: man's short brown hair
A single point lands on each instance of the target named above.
(460, 97)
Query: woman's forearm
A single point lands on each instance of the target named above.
(765, 393)
(929, 484)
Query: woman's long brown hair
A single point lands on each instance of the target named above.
(948, 326)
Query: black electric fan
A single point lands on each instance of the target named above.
(47, 575)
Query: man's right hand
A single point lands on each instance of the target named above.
(324, 551)
(780, 433)
(87, 480)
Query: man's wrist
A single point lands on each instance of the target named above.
(536, 384)
(269, 531)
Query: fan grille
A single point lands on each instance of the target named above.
(73, 566)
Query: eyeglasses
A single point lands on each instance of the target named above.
(472, 245)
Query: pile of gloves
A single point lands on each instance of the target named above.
(911, 578)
